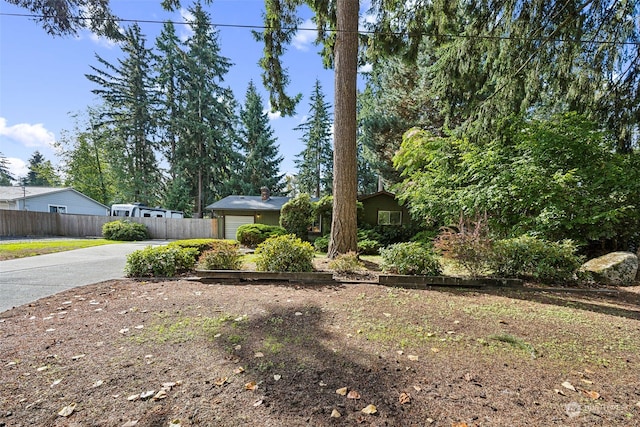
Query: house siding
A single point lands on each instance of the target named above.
(74, 203)
(382, 202)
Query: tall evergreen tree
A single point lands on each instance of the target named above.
(315, 162)
(5, 174)
(261, 164)
(206, 129)
(130, 98)
(41, 172)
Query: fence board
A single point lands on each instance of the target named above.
(39, 224)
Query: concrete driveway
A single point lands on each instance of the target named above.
(25, 280)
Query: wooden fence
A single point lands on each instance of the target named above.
(39, 224)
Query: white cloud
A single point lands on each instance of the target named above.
(102, 41)
(305, 37)
(272, 115)
(17, 167)
(366, 68)
(27, 134)
(186, 31)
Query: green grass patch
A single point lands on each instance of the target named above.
(184, 329)
(27, 249)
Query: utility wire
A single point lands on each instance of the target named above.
(363, 32)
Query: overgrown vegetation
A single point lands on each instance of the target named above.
(296, 216)
(223, 256)
(286, 253)
(252, 235)
(467, 245)
(160, 261)
(124, 230)
(410, 258)
(347, 264)
(203, 245)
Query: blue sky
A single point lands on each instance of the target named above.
(42, 78)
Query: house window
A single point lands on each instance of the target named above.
(389, 217)
(57, 209)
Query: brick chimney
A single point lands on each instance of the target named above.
(265, 194)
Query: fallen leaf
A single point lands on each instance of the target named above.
(400, 352)
(67, 410)
(162, 394)
(417, 388)
(175, 423)
(586, 381)
(353, 395)
(560, 392)
(78, 357)
(139, 327)
(404, 398)
(434, 349)
(370, 410)
(387, 314)
(170, 384)
(297, 313)
(42, 368)
(568, 385)
(221, 381)
(238, 347)
(592, 394)
(147, 394)
(251, 386)
(257, 403)
(277, 377)
(342, 391)
(459, 425)
(239, 370)
(133, 397)
(97, 384)
(335, 414)
(124, 330)
(259, 354)
(55, 383)
(412, 357)
(131, 423)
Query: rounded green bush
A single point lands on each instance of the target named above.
(321, 244)
(253, 234)
(285, 253)
(539, 259)
(203, 245)
(124, 230)
(346, 263)
(160, 261)
(225, 256)
(368, 247)
(410, 258)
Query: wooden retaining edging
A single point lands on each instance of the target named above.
(421, 282)
(241, 275)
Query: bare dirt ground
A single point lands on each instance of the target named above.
(160, 353)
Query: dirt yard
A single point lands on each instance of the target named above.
(185, 353)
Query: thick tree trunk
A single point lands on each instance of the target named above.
(344, 223)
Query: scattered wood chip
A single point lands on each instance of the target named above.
(258, 403)
(417, 388)
(251, 386)
(131, 423)
(162, 394)
(258, 354)
(335, 414)
(42, 368)
(370, 410)
(586, 381)
(594, 395)
(97, 383)
(277, 377)
(67, 410)
(147, 394)
(78, 356)
(560, 392)
(412, 357)
(353, 395)
(342, 391)
(568, 385)
(435, 349)
(238, 370)
(56, 382)
(404, 398)
(175, 423)
(133, 397)
(221, 381)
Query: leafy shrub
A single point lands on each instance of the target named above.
(124, 230)
(203, 245)
(224, 256)
(539, 259)
(410, 258)
(321, 244)
(426, 237)
(296, 216)
(253, 234)
(388, 234)
(160, 261)
(368, 247)
(284, 253)
(468, 245)
(346, 263)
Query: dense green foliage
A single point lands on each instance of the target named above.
(368, 247)
(124, 230)
(296, 216)
(261, 161)
(41, 172)
(203, 245)
(321, 244)
(468, 245)
(5, 175)
(225, 255)
(160, 261)
(253, 234)
(534, 258)
(556, 178)
(285, 253)
(315, 162)
(410, 258)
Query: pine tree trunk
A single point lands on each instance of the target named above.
(344, 223)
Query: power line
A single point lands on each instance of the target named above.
(363, 32)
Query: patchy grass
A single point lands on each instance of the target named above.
(41, 247)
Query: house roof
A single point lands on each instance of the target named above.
(376, 194)
(13, 193)
(249, 203)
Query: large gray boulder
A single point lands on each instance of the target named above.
(615, 268)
